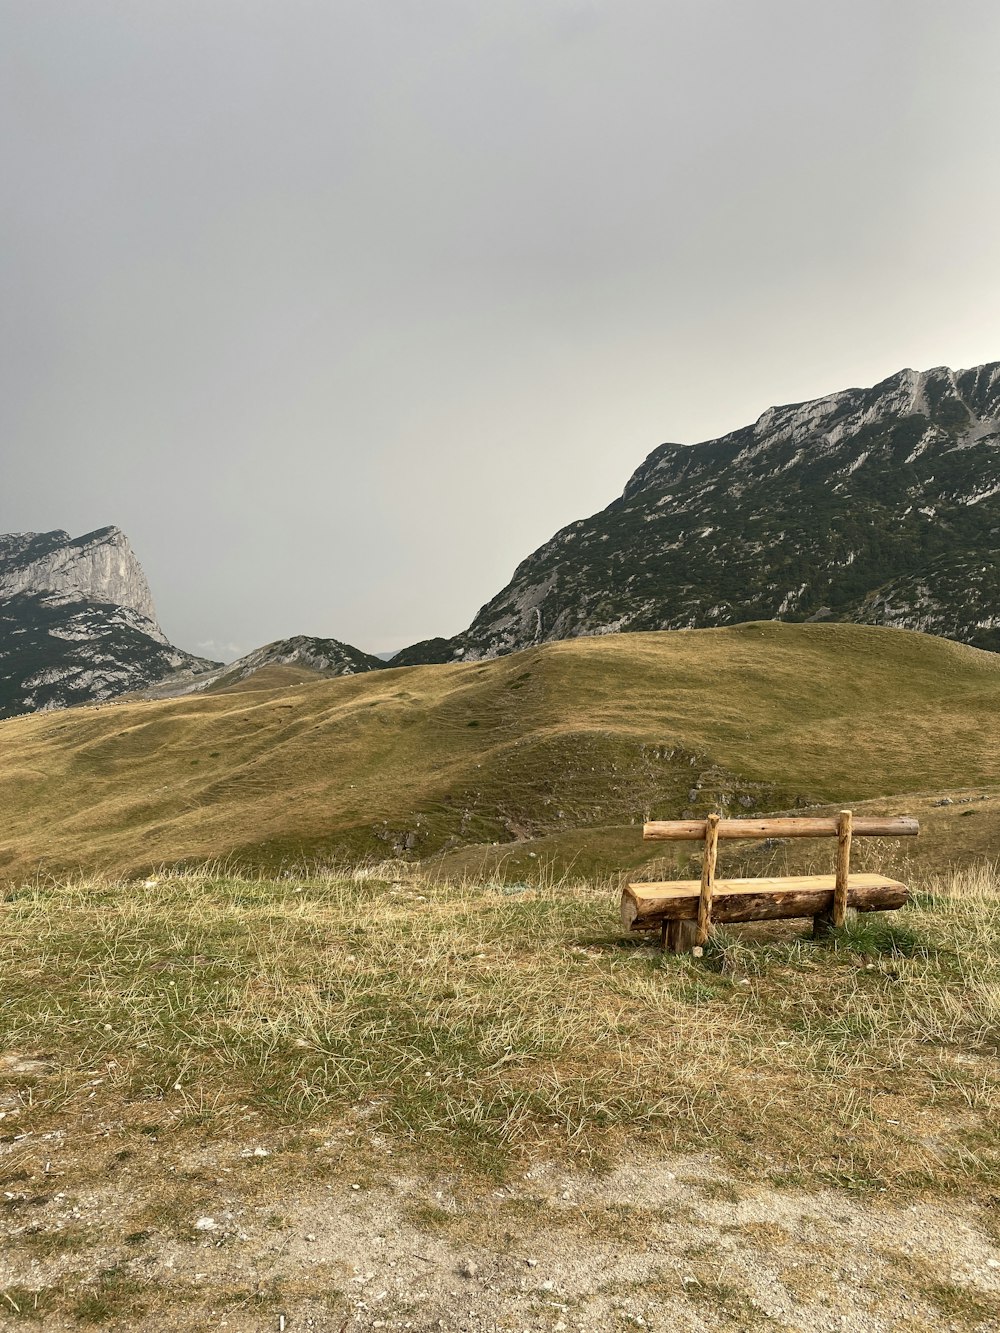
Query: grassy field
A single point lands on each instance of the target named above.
(209, 1036)
(569, 746)
(484, 1021)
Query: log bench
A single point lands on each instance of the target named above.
(684, 910)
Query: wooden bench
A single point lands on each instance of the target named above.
(684, 910)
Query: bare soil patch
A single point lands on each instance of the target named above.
(235, 1240)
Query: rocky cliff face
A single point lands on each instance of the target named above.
(98, 567)
(880, 506)
(77, 623)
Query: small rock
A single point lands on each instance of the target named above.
(532, 1263)
(205, 1224)
(468, 1268)
(310, 1235)
(22, 1064)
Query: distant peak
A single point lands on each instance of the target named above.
(99, 566)
(110, 533)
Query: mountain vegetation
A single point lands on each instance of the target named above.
(57, 651)
(212, 1085)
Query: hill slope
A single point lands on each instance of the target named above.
(879, 506)
(579, 734)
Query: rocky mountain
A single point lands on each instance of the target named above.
(879, 506)
(77, 622)
(324, 657)
(99, 567)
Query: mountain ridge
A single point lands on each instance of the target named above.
(318, 657)
(877, 506)
(99, 566)
(77, 622)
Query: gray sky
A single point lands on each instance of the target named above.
(339, 309)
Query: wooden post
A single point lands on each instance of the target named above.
(707, 879)
(836, 913)
(844, 826)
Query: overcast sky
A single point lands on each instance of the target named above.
(341, 307)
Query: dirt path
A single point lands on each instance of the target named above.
(676, 1245)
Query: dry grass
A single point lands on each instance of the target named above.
(478, 1023)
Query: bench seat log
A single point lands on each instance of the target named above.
(651, 906)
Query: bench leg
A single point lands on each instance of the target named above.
(822, 924)
(680, 936)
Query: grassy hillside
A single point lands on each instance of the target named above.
(584, 734)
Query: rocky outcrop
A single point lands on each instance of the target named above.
(325, 657)
(77, 623)
(98, 567)
(880, 506)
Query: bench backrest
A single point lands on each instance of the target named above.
(791, 826)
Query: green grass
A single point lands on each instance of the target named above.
(575, 743)
(957, 1302)
(27, 1304)
(467, 1024)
